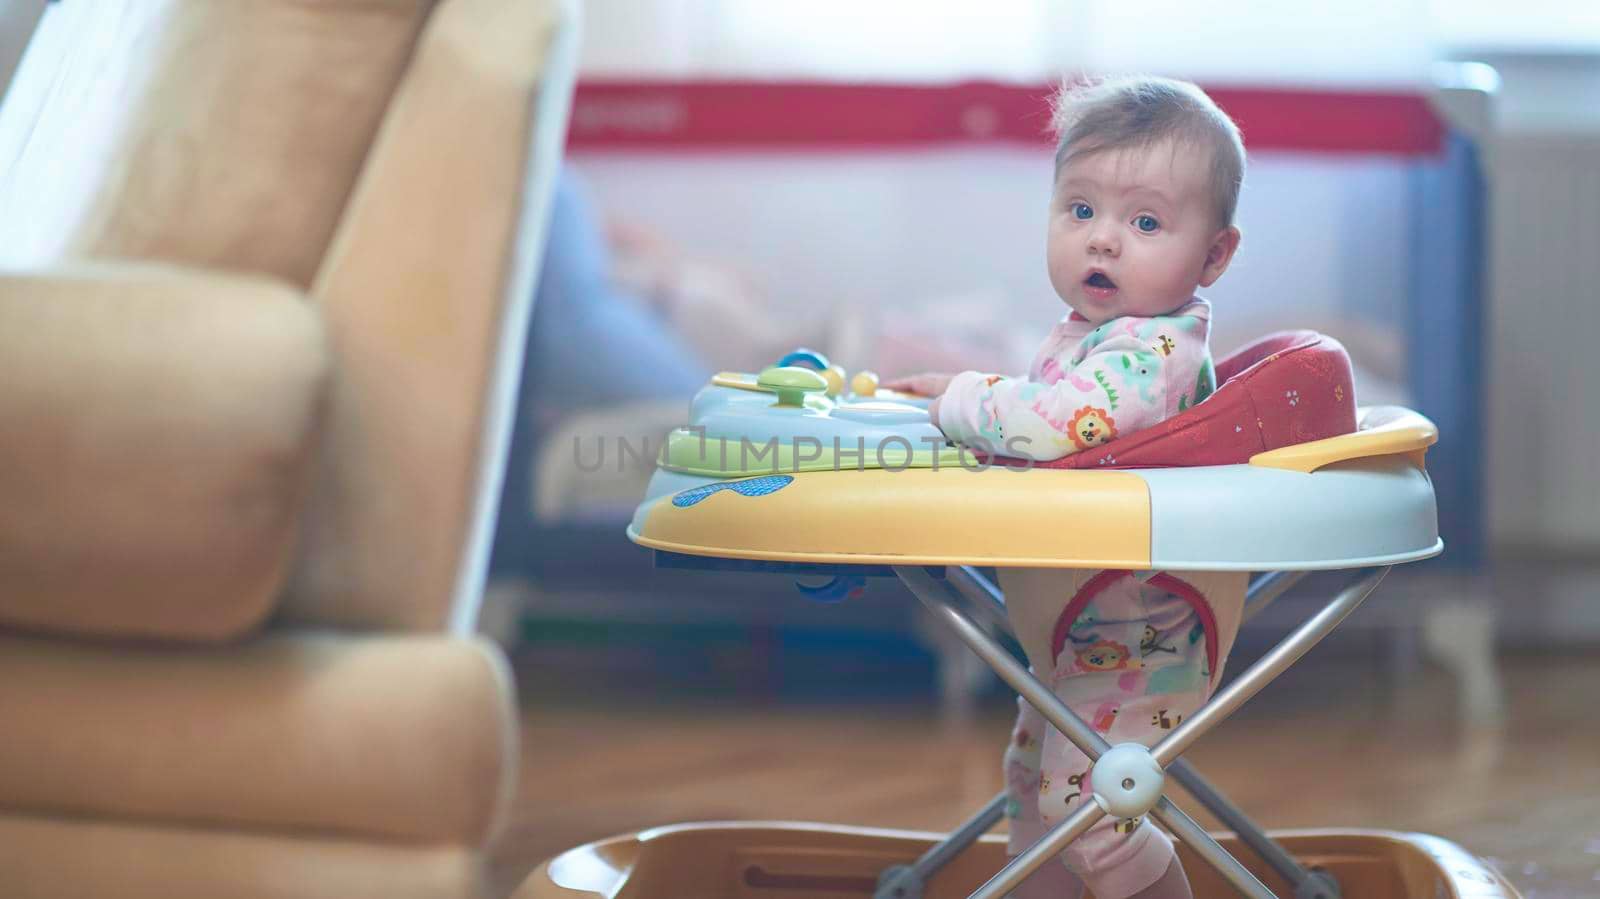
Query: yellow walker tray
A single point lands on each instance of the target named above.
(787, 471)
(1345, 502)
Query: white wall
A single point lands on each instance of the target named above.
(1248, 41)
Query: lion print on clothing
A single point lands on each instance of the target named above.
(1091, 427)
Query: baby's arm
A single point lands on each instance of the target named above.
(1119, 388)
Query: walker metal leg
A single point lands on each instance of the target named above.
(940, 598)
(1307, 884)
(1264, 590)
(1014, 873)
(906, 881)
(1195, 837)
(982, 592)
(1265, 669)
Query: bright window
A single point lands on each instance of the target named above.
(1352, 42)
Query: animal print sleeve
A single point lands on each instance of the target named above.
(1118, 388)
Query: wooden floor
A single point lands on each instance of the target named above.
(1330, 744)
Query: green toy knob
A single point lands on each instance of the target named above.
(791, 383)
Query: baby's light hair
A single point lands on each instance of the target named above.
(1139, 111)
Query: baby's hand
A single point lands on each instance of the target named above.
(925, 384)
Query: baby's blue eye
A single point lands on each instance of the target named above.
(1147, 224)
(1082, 212)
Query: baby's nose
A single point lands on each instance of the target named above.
(1103, 242)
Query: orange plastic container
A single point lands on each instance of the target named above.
(818, 861)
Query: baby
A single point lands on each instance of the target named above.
(1147, 176)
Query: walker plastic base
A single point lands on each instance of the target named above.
(786, 860)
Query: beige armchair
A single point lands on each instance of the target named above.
(266, 271)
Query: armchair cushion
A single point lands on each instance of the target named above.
(409, 739)
(158, 427)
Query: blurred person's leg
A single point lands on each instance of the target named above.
(591, 344)
(589, 347)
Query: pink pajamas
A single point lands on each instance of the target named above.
(1133, 661)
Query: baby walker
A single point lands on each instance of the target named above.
(799, 470)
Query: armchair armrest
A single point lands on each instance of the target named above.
(158, 425)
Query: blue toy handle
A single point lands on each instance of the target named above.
(834, 589)
(802, 356)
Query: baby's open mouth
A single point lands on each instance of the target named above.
(1098, 279)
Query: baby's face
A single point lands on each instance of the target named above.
(1134, 232)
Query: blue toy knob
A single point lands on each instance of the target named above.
(802, 356)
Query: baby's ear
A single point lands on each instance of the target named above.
(1223, 246)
